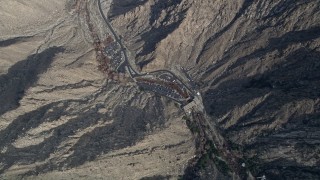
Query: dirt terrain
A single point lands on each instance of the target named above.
(257, 65)
(64, 114)
(62, 118)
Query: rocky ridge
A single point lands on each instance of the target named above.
(63, 118)
(256, 64)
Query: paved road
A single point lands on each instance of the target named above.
(175, 76)
(137, 74)
(118, 40)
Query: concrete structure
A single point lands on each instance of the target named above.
(196, 104)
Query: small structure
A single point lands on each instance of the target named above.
(194, 104)
(262, 177)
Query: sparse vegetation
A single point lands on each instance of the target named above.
(86, 83)
(185, 118)
(192, 126)
(141, 88)
(234, 146)
(221, 165)
(212, 149)
(203, 161)
(211, 155)
(252, 164)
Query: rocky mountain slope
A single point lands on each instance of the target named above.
(255, 63)
(60, 117)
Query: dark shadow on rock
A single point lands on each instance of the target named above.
(8, 42)
(284, 7)
(278, 15)
(155, 35)
(287, 172)
(301, 132)
(159, 6)
(33, 119)
(48, 113)
(30, 120)
(121, 7)
(129, 126)
(151, 38)
(23, 75)
(296, 78)
(18, 128)
(246, 4)
(279, 43)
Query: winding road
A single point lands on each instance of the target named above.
(137, 74)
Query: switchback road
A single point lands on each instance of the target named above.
(127, 62)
